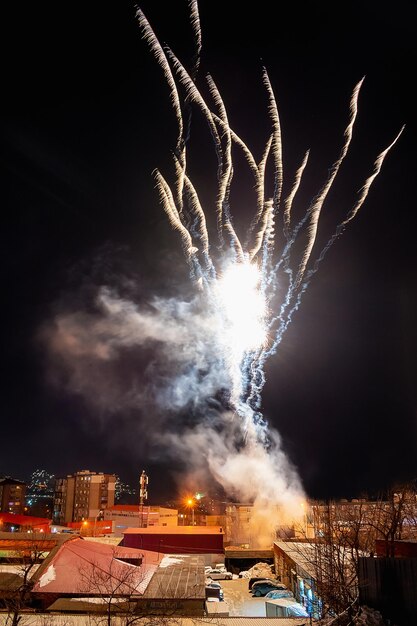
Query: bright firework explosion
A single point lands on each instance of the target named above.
(240, 287)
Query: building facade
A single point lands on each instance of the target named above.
(83, 495)
(238, 524)
(125, 516)
(12, 495)
(295, 567)
(250, 527)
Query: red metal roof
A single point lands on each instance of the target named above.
(88, 568)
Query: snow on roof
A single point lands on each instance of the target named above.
(303, 554)
(83, 567)
(168, 560)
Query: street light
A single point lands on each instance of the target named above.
(191, 503)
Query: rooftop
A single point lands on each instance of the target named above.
(84, 567)
(176, 530)
(178, 576)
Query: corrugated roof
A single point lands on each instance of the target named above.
(86, 605)
(178, 576)
(302, 553)
(26, 541)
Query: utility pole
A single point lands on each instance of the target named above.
(143, 493)
(99, 514)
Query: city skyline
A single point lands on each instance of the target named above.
(80, 144)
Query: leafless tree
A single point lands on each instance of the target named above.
(395, 516)
(344, 531)
(16, 595)
(336, 549)
(117, 584)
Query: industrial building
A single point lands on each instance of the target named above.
(124, 516)
(204, 540)
(71, 574)
(294, 566)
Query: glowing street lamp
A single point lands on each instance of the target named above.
(190, 502)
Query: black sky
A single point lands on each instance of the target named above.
(85, 119)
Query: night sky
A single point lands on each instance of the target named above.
(86, 118)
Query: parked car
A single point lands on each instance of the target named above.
(261, 588)
(214, 590)
(277, 594)
(252, 581)
(219, 574)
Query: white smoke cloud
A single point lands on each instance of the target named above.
(163, 358)
(181, 365)
(251, 474)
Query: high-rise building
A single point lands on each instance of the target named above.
(83, 495)
(124, 493)
(12, 495)
(40, 494)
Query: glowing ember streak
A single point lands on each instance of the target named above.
(239, 295)
(249, 315)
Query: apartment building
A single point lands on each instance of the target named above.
(83, 495)
(12, 495)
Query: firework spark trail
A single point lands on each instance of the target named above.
(285, 318)
(246, 274)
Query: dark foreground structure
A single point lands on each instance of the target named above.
(390, 586)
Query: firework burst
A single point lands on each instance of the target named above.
(240, 284)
